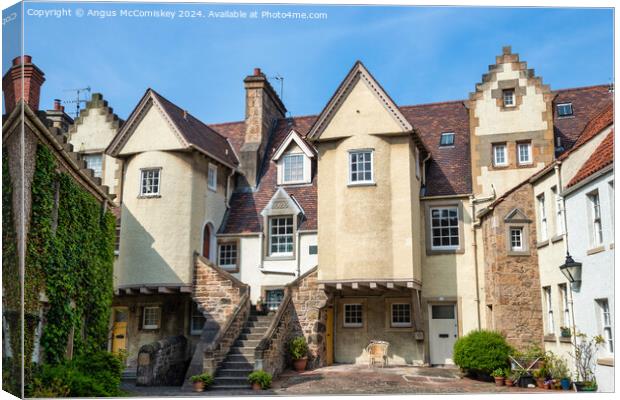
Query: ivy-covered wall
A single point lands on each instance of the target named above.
(69, 260)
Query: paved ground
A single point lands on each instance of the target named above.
(354, 380)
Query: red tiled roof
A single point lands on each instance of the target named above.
(198, 133)
(600, 121)
(587, 103)
(602, 157)
(449, 170)
(244, 213)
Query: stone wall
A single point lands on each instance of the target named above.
(303, 312)
(162, 363)
(513, 290)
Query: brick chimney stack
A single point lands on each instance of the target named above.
(22, 80)
(263, 108)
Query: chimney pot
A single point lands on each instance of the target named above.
(257, 72)
(57, 105)
(22, 81)
(26, 60)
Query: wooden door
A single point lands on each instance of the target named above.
(329, 336)
(206, 242)
(119, 330)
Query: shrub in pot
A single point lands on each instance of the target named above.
(202, 381)
(299, 352)
(260, 380)
(499, 377)
(482, 352)
(511, 377)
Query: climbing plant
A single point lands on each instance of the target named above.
(69, 260)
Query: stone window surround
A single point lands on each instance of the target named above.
(506, 163)
(389, 301)
(291, 209)
(279, 256)
(229, 240)
(353, 300)
(194, 332)
(442, 204)
(143, 315)
(525, 239)
(508, 84)
(594, 244)
(265, 288)
(531, 155)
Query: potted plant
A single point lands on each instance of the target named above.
(511, 377)
(202, 381)
(584, 353)
(299, 352)
(260, 380)
(558, 369)
(565, 332)
(539, 376)
(499, 376)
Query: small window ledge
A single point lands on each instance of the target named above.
(154, 196)
(596, 250)
(557, 238)
(280, 258)
(606, 361)
(353, 184)
(564, 339)
(542, 244)
(549, 338)
(519, 253)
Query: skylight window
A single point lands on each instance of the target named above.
(565, 109)
(447, 139)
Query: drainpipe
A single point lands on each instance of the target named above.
(428, 157)
(473, 202)
(298, 253)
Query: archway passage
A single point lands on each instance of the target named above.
(206, 242)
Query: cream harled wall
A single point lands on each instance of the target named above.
(367, 232)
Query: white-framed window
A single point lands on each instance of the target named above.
(401, 315)
(273, 298)
(516, 239)
(559, 217)
(281, 236)
(197, 320)
(611, 205)
(150, 318)
(447, 139)
(548, 309)
(150, 181)
(595, 219)
(565, 109)
(524, 153)
(94, 162)
(499, 155)
(509, 97)
(605, 321)
(212, 177)
(227, 255)
(293, 168)
(542, 217)
(563, 289)
(353, 315)
(360, 166)
(445, 228)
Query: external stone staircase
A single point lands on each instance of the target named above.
(239, 361)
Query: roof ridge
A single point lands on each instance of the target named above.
(580, 88)
(435, 103)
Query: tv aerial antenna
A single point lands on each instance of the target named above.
(280, 79)
(78, 100)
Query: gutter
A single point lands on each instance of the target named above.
(589, 179)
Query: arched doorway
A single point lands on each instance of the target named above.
(206, 241)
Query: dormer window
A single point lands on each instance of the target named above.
(293, 160)
(293, 168)
(447, 139)
(565, 109)
(509, 97)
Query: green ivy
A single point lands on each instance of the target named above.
(70, 260)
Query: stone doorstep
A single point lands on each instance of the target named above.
(247, 343)
(251, 336)
(242, 372)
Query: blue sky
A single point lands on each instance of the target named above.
(418, 54)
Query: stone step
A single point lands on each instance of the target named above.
(231, 380)
(242, 373)
(247, 358)
(246, 343)
(237, 364)
(226, 387)
(241, 350)
(260, 318)
(254, 331)
(251, 336)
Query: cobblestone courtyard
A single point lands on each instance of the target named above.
(354, 380)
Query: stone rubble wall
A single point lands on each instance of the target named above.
(162, 363)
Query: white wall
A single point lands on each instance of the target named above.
(597, 270)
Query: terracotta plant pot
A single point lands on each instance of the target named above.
(540, 383)
(256, 386)
(199, 386)
(509, 382)
(499, 381)
(300, 364)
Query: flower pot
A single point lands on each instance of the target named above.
(565, 383)
(499, 381)
(256, 386)
(585, 387)
(540, 383)
(509, 382)
(300, 364)
(199, 386)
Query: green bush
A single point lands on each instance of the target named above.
(298, 347)
(96, 374)
(261, 377)
(482, 352)
(205, 378)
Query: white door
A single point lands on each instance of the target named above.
(443, 332)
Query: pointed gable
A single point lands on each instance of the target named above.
(282, 203)
(359, 106)
(293, 137)
(516, 215)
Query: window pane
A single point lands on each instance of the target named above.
(360, 166)
(445, 227)
(443, 312)
(281, 237)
